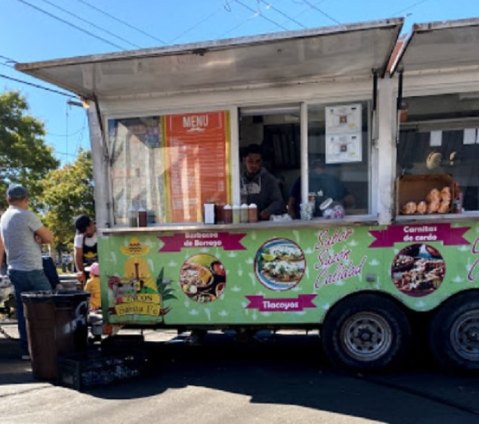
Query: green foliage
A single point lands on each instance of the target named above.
(59, 193)
(164, 287)
(24, 156)
(68, 192)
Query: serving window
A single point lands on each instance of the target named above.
(169, 166)
(439, 141)
(338, 140)
(277, 131)
(172, 165)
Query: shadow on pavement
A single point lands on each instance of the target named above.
(288, 370)
(292, 370)
(12, 369)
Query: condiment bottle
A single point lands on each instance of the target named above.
(227, 214)
(142, 217)
(244, 213)
(151, 216)
(252, 213)
(219, 219)
(236, 214)
(132, 216)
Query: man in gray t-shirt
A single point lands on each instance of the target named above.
(21, 237)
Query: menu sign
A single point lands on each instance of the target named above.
(343, 134)
(197, 162)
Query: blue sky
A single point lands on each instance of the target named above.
(28, 34)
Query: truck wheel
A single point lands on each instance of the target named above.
(454, 333)
(366, 332)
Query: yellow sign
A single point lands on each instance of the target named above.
(137, 308)
(142, 298)
(134, 248)
(148, 298)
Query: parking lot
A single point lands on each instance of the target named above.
(282, 378)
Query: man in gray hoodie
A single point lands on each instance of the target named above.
(259, 186)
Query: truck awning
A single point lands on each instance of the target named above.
(438, 46)
(281, 58)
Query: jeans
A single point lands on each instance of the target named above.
(26, 281)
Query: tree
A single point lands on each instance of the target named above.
(24, 156)
(67, 193)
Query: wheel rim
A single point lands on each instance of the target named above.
(465, 335)
(366, 336)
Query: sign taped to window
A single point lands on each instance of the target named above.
(343, 133)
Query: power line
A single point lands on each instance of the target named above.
(409, 7)
(121, 21)
(90, 23)
(281, 13)
(237, 26)
(258, 13)
(35, 85)
(194, 26)
(306, 8)
(9, 59)
(63, 153)
(78, 145)
(67, 135)
(312, 6)
(228, 8)
(70, 24)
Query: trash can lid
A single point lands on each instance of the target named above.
(53, 295)
(37, 296)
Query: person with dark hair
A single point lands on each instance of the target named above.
(218, 271)
(258, 186)
(323, 185)
(85, 245)
(21, 237)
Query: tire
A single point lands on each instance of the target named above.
(366, 332)
(454, 333)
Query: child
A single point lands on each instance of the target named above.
(93, 287)
(95, 318)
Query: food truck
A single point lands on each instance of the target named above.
(394, 120)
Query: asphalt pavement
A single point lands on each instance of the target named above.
(281, 378)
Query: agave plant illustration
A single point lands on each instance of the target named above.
(165, 290)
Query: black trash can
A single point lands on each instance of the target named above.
(56, 324)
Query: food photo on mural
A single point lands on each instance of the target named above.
(203, 278)
(279, 264)
(418, 270)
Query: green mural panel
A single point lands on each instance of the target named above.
(281, 275)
